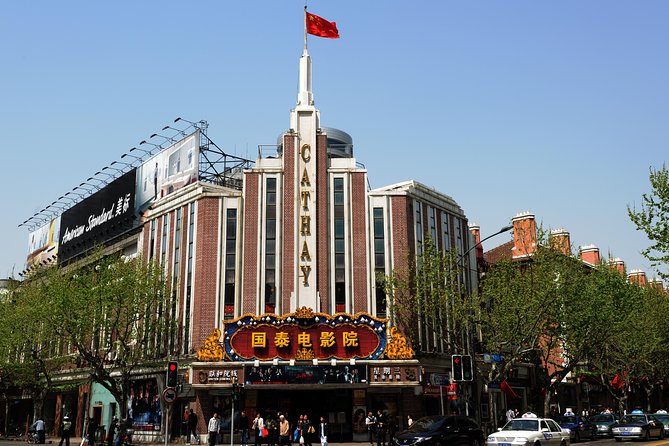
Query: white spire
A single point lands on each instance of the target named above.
(305, 96)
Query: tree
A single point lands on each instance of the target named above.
(653, 219)
(27, 343)
(112, 314)
(429, 302)
(550, 309)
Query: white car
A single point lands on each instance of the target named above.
(531, 431)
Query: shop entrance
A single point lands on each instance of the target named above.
(335, 405)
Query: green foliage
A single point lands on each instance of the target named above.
(109, 315)
(653, 219)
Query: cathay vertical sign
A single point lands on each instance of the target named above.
(98, 218)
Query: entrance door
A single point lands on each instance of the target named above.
(335, 405)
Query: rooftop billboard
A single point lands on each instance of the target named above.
(99, 218)
(43, 243)
(167, 171)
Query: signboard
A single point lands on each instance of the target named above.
(306, 374)
(99, 218)
(490, 358)
(439, 379)
(43, 243)
(167, 171)
(304, 335)
(169, 395)
(394, 374)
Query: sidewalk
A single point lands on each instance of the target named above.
(76, 441)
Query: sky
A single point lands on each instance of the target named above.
(556, 108)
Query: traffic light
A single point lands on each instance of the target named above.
(467, 371)
(456, 367)
(172, 374)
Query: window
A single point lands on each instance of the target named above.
(339, 246)
(379, 261)
(270, 246)
(230, 260)
(189, 277)
(419, 227)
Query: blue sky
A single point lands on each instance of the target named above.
(559, 108)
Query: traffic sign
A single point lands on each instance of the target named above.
(169, 395)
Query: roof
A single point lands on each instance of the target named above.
(501, 252)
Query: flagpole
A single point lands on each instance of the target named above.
(305, 28)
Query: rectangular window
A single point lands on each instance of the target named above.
(230, 262)
(270, 245)
(379, 261)
(339, 246)
(419, 227)
(152, 239)
(189, 278)
(432, 215)
(446, 238)
(176, 271)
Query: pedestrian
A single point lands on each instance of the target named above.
(65, 431)
(284, 431)
(184, 425)
(193, 437)
(111, 433)
(244, 428)
(272, 430)
(308, 430)
(323, 432)
(40, 429)
(409, 421)
(258, 424)
(370, 421)
(510, 415)
(213, 427)
(380, 429)
(91, 431)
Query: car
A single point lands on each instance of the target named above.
(439, 430)
(638, 425)
(664, 419)
(531, 431)
(579, 427)
(605, 423)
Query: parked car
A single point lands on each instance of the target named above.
(605, 423)
(664, 419)
(530, 431)
(638, 425)
(440, 431)
(579, 427)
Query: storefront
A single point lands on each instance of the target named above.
(304, 363)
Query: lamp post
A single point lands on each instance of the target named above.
(232, 412)
(468, 340)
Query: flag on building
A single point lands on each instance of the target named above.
(318, 26)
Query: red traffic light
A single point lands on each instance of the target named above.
(173, 366)
(172, 379)
(456, 360)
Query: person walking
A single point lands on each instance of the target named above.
(193, 437)
(370, 421)
(409, 421)
(380, 429)
(40, 430)
(212, 427)
(244, 428)
(91, 430)
(307, 430)
(258, 424)
(284, 431)
(111, 433)
(323, 432)
(65, 431)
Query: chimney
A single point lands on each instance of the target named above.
(657, 284)
(476, 233)
(589, 254)
(558, 239)
(524, 235)
(618, 265)
(637, 276)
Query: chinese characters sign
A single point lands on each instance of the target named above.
(305, 335)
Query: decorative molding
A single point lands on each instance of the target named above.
(212, 350)
(398, 347)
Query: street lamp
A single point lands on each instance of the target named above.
(504, 229)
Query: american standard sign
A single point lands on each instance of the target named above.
(99, 218)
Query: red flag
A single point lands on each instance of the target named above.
(506, 388)
(320, 27)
